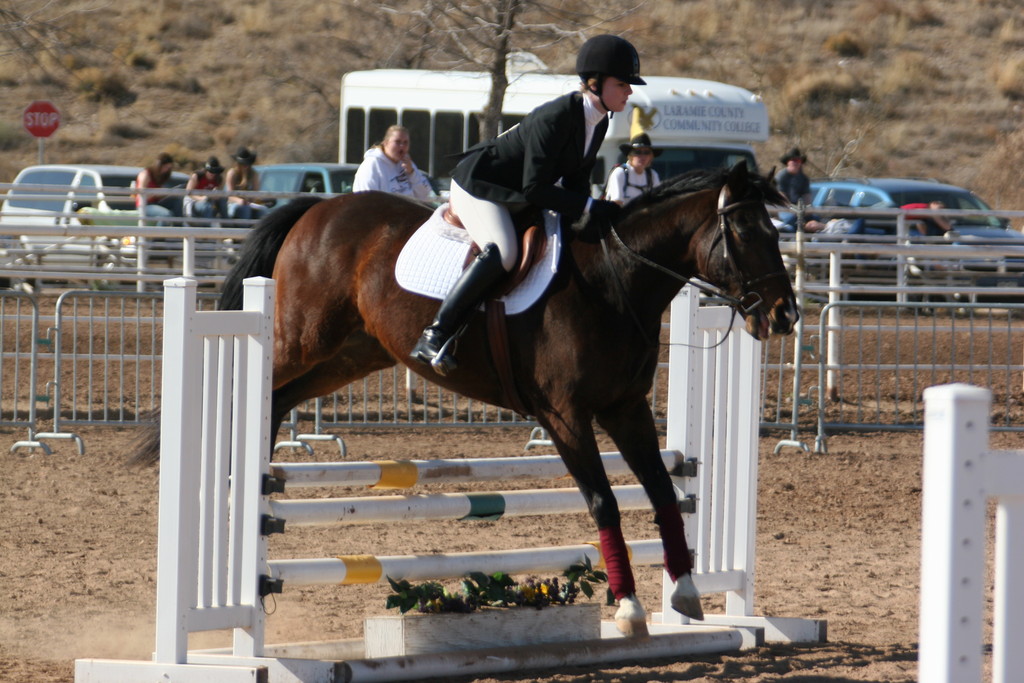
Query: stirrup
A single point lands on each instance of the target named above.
(443, 361)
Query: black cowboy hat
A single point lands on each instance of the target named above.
(793, 154)
(639, 142)
(244, 156)
(213, 166)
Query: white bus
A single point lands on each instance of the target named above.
(698, 124)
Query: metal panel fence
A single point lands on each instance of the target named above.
(19, 349)
(91, 358)
(876, 359)
(100, 362)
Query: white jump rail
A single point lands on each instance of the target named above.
(213, 565)
(961, 476)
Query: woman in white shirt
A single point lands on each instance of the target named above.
(635, 177)
(389, 168)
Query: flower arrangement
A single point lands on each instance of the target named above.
(496, 590)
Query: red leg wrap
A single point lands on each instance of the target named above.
(673, 540)
(616, 562)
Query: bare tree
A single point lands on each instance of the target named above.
(32, 32)
(482, 34)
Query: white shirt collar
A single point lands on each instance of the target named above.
(591, 117)
(591, 114)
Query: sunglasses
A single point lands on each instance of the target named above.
(644, 152)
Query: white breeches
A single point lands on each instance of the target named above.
(487, 223)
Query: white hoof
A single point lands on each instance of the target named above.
(686, 598)
(630, 618)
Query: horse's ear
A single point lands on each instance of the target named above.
(738, 178)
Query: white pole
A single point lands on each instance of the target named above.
(953, 533)
(1007, 654)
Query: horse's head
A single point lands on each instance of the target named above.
(743, 257)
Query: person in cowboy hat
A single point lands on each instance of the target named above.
(796, 186)
(635, 177)
(543, 162)
(243, 178)
(199, 204)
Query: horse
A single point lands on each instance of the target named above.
(586, 351)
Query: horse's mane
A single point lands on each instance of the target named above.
(698, 180)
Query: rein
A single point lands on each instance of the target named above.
(736, 303)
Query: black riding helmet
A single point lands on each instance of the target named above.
(609, 55)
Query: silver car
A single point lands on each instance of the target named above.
(78, 190)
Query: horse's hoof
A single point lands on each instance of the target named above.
(630, 618)
(686, 598)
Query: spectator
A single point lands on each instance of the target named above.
(157, 175)
(388, 167)
(794, 184)
(928, 226)
(635, 177)
(243, 178)
(197, 203)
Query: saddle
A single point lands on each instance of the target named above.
(532, 242)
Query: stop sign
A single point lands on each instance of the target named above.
(41, 118)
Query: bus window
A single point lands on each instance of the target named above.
(474, 130)
(510, 121)
(418, 123)
(355, 138)
(380, 121)
(507, 121)
(448, 131)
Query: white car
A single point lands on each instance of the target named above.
(75, 187)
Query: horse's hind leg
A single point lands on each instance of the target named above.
(632, 428)
(357, 356)
(575, 441)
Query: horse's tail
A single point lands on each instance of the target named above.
(257, 258)
(261, 248)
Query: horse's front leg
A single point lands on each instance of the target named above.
(575, 441)
(632, 429)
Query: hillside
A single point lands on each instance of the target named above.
(932, 88)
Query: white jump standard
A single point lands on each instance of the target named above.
(216, 510)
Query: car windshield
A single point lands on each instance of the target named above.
(280, 181)
(120, 202)
(952, 200)
(341, 181)
(36, 200)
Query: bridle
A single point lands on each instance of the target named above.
(749, 301)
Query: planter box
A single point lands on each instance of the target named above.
(415, 634)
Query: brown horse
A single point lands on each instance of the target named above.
(586, 351)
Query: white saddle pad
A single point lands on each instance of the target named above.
(432, 260)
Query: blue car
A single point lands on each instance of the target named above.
(311, 177)
(880, 193)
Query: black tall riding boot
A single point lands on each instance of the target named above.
(434, 347)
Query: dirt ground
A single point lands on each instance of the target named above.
(838, 539)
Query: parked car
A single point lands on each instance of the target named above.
(78, 191)
(896, 192)
(306, 177)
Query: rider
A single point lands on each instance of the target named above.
(544, 162)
